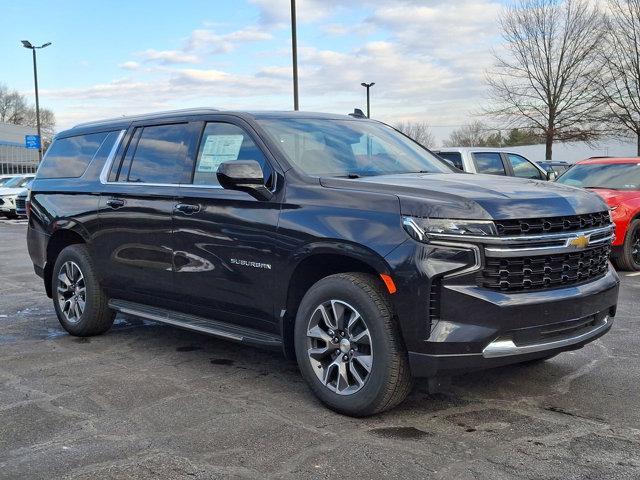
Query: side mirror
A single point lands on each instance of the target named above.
(245, 176)
(551, 176)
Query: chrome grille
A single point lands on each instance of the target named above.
(544, 271)
(572, 223)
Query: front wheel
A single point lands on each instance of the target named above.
(629, 256)
(348, 346)
(80, 303)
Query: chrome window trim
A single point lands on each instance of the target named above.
(104, 174)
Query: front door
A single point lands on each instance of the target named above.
(225, 240)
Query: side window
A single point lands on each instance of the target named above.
(69, 157)
(453, 157)
(489, 162)
(225, 142)
(160, 154)
(523, 168)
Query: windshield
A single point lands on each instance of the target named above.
(17, 182)
(614, 176)
(3, 181)
(349, 148)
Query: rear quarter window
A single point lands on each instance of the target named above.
(69, 157)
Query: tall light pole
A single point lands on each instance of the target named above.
(368, 86)
(294, 50)
(33, 48)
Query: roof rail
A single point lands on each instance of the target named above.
(166, 113)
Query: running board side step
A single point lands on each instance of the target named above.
(197, 324)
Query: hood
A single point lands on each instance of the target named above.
(616, 197)
(460, 195)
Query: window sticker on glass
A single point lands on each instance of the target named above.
(218, 149)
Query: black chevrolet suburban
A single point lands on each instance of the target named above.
(334, 238)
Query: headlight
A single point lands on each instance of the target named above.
(422, 229)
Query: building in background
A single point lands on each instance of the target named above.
(14, 156)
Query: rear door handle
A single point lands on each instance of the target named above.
(115, 203)
(187, 208)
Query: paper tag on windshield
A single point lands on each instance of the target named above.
(219, 149)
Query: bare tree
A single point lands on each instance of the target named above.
(15, 109)
(546, 79)
(620, 80)
(419, 131)
(475, 134)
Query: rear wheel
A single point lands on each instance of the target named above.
(80, 303)
(629, 256)
(348, 345)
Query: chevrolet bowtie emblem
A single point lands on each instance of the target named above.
(578, 242)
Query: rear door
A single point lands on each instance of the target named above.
(135, 241)
(225, 239)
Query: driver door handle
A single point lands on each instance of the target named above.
(187, 208)
(115, 203)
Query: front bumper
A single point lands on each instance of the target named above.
(481, 328)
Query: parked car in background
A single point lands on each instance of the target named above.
(556, 168)
(617, 181)
(10, 190)
(492, 161)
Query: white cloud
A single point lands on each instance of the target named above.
(206, 39)
(168, 57)
(129, 65)
(427, 58)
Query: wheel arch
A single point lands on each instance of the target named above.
(58, 241)
(316, 262)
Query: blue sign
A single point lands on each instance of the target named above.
(32, 141)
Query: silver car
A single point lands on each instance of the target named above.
(492, 161)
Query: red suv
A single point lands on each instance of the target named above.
(617, 181)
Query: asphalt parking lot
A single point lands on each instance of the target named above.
(150, 401)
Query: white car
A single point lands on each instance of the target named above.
(10, 190)
(492, 161)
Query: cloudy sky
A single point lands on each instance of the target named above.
(427, 57)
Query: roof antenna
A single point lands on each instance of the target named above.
(357, 113)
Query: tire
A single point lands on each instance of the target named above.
(95, 317)
(629, 256)
(387, 381)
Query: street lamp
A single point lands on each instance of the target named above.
(368, 86)
(294, 53)
(33, 48)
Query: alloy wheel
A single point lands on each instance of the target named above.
(71, 291)
(339, 347)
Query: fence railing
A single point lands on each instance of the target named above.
(17, 159)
